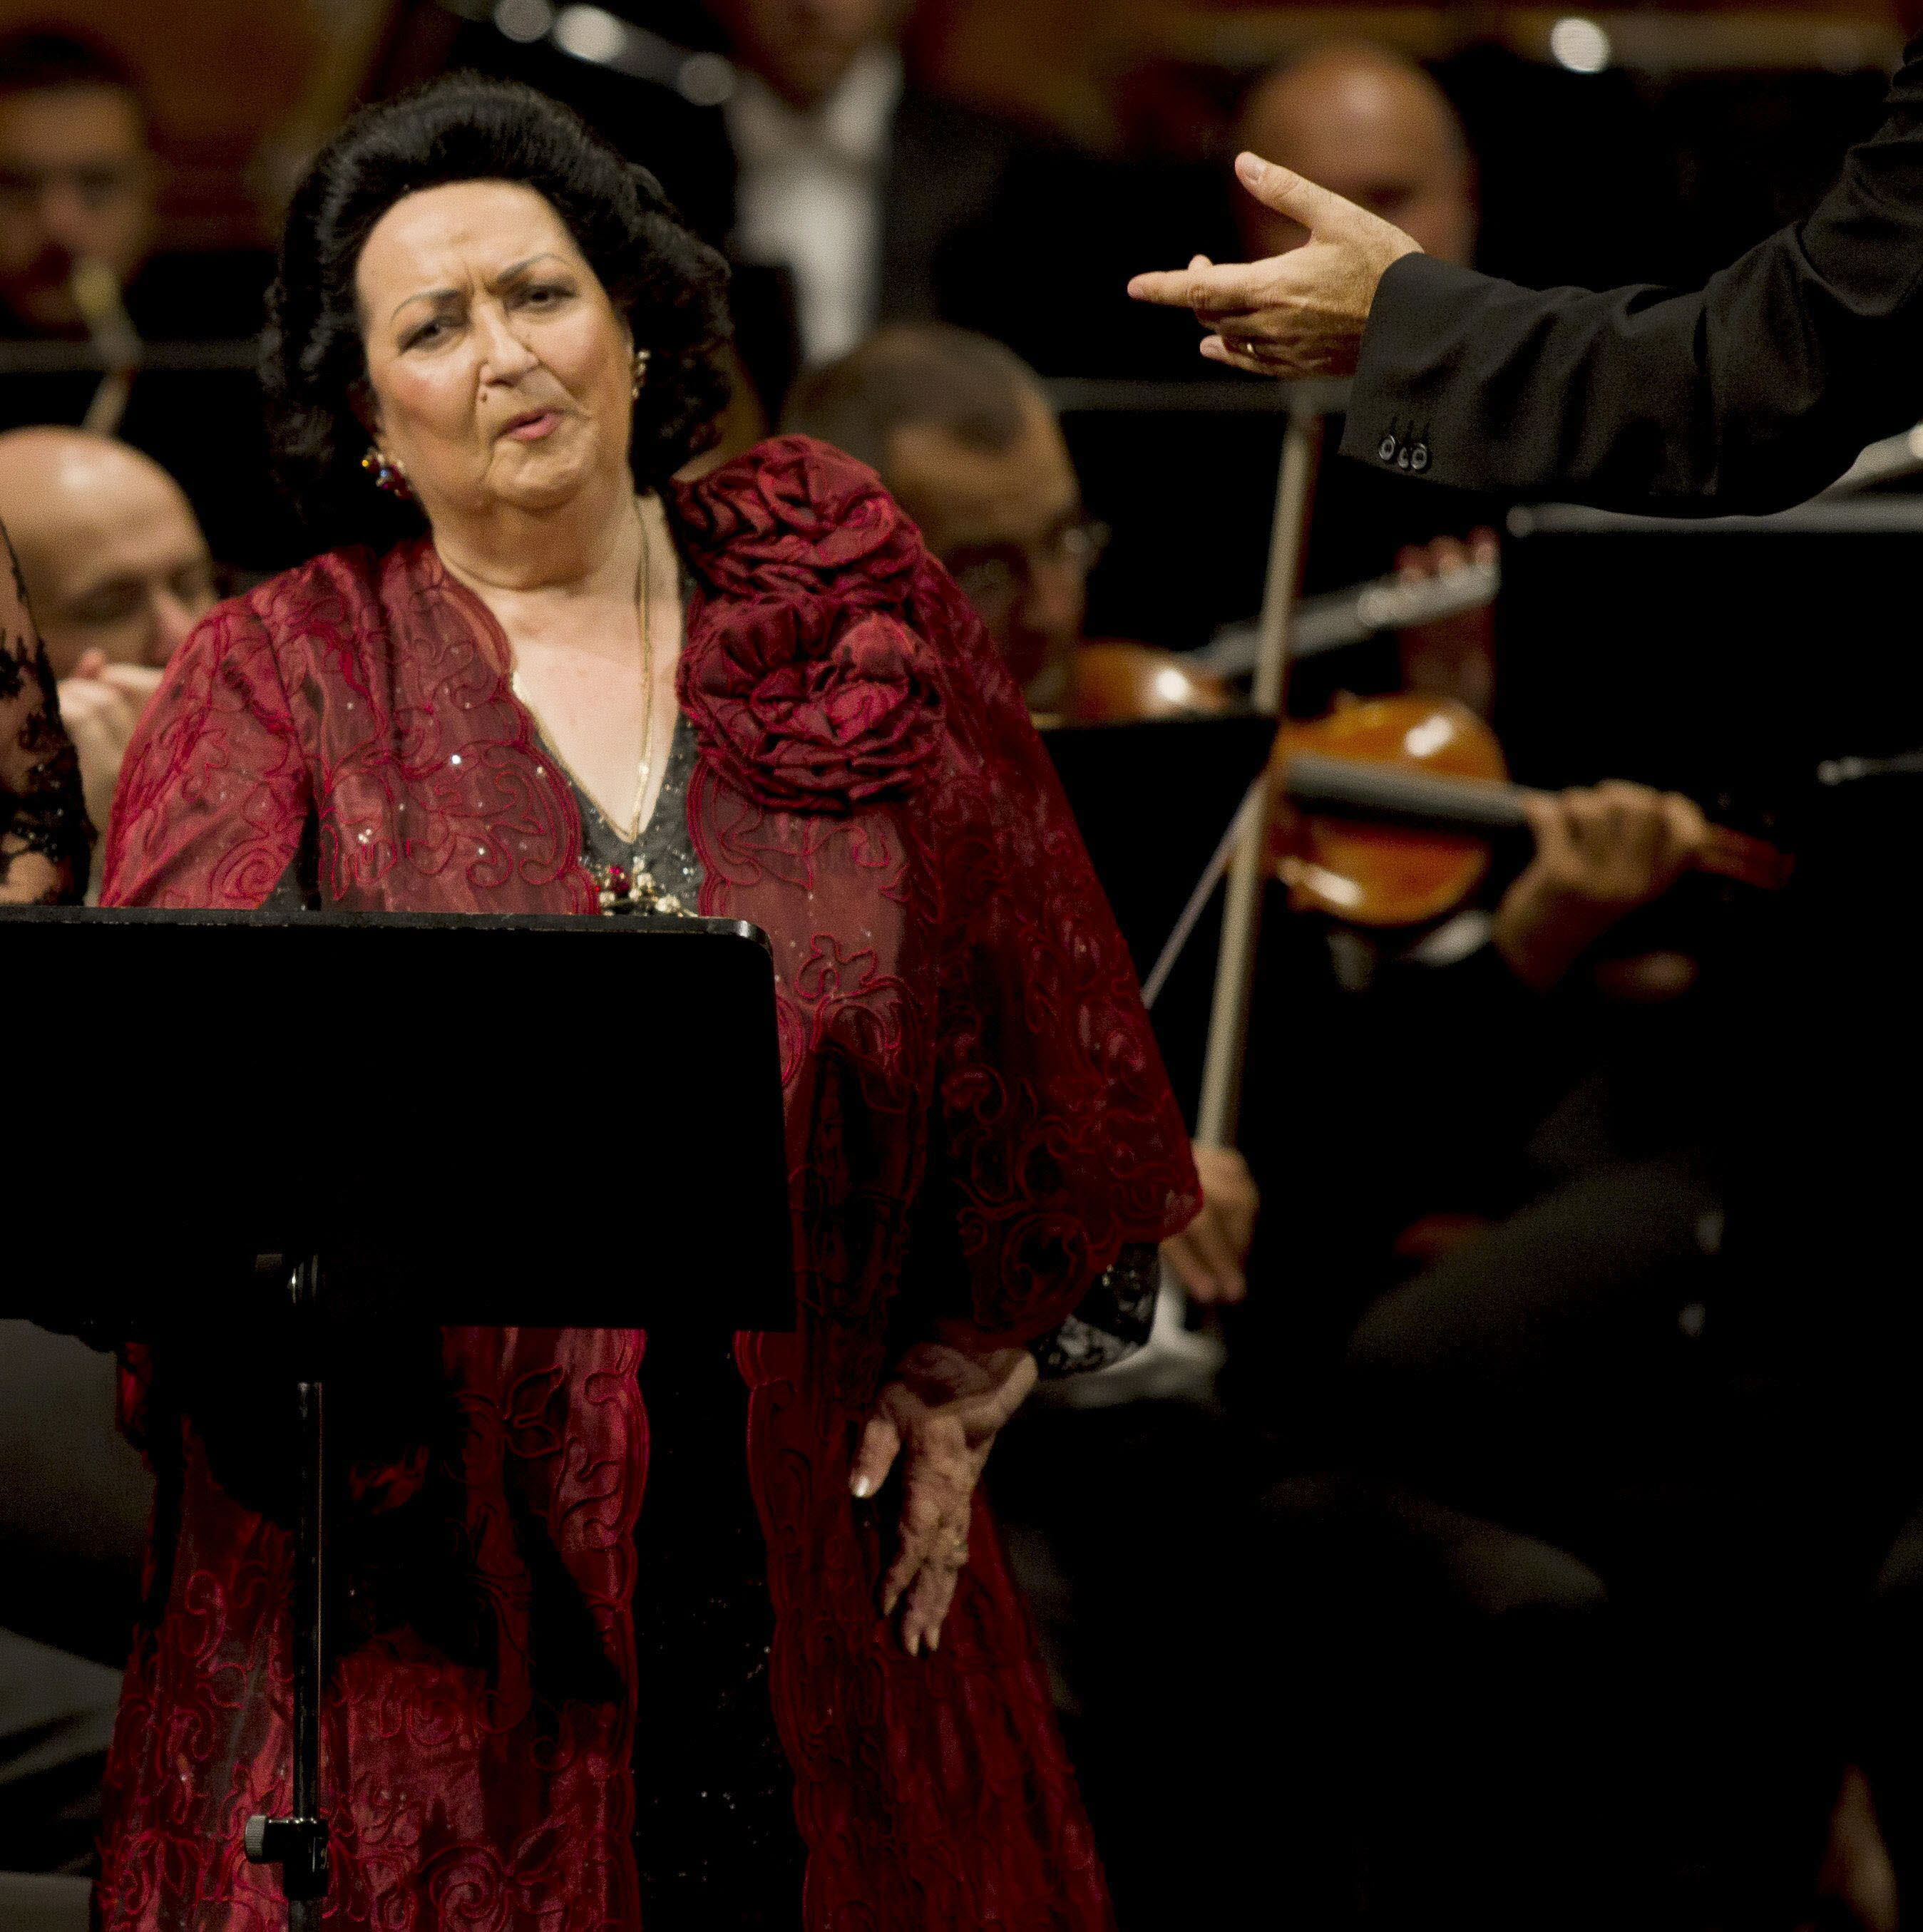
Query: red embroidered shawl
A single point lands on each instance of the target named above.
(871, 794)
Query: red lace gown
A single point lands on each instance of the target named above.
(962, 1039)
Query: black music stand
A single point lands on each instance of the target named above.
(1153, 799)
(269, 1036)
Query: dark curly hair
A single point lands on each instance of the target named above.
(671, 287)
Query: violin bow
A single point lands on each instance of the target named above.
(1220, 1104)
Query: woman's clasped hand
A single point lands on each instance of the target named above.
(938, 1418)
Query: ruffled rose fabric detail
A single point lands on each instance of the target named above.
(812, 691)
(794, 518)
(800, 725)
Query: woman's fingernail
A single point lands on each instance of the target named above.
(934, 1639)
(1251, 166)
(914, 1645)
(861, 1486)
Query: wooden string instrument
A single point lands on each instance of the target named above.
(1386, 808)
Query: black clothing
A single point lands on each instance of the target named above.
(1748, 394)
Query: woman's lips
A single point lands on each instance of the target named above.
(531, 429)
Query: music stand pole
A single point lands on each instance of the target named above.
(298, 1842)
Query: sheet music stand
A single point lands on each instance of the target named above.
(1153, 799)
(337, 1027)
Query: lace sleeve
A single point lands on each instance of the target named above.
(45, 839)
(1111, 1322)
(1067, 1145)
(214, 798)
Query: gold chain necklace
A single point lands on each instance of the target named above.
(619, 889)
(644, 766)
(644, 769)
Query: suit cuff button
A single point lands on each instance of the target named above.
(1418, 458)
(1387, 449)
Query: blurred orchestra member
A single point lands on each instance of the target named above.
(116, 567)
(850, 180)
(118, 573)
(811, 124)
(77, 177)
(962, 433)
(1374, 128)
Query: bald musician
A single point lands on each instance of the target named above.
(1372, 126)
(1376, 128)
(117, 573)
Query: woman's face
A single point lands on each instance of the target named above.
(499, 371)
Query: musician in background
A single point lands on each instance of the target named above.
(1373, 126)
(77, 178)
(963, 433)
(80, 177)
(118, 573)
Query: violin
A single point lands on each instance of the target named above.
(1114, 682)
(1384, 809)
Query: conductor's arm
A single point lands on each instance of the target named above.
(1747, 394)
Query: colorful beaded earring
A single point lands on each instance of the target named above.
(387, 475)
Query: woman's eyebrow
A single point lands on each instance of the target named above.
(509, 274)
(499, 281)
(422, 295)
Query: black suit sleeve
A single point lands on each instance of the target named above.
(1747, 395)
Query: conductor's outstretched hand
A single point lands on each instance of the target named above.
(1301, 313)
